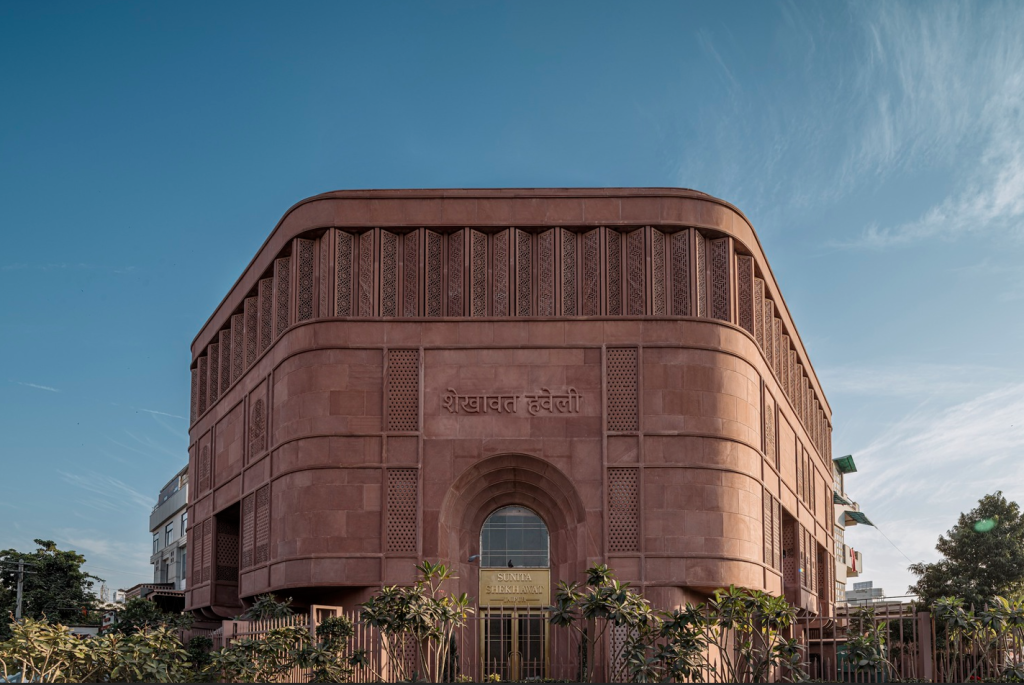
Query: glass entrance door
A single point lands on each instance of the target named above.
(515, 643)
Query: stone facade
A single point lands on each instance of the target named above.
(393, 366)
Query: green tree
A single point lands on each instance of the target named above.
(57, 588)
(983, 556)
(138, 613)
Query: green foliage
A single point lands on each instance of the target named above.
(57, 588)
(137, 614)
(45, 652)
(260, 660)
(745, 627)
(962, 631)
(267, 607)
(983, 556)
(425, 613)
(866, 645)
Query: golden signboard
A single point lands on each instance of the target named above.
(515, 587)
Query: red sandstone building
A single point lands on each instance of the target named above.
(546, 378)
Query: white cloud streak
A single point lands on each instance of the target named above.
(108, 493)
(36, 386)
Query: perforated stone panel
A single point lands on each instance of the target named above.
(759, 312)
(769, 429)
(623, 510)
(623, 414)
(410, 276)
(769, 348)
(213, 354)
(194, 403)
(745, 292)
(658, 272)
(366, 274)
(569, 299)
(225, 360)
(237, 346)
(702, 274)
(196, 555)
(343, 274)
(227, 552)
(546, 273)
(248, 530)
(257, 429)
(403, 390)
(202, 363)
(500, 290)
(402, 507)
(478, 273)
(784, 362)
(768, 527)
(720, 280)
(323, 290)
(777, 534)
(251, 312)
(207, 549)
(635, 274)
(790, 561)
(777, 346)
(388, 274)
(204, 469)
(283, 295)
(266, 295)
(456, 272)
(433, 274)
(591, 297)
(304, 301)
(262, 525)
(681, 273)
(524, 272)
(614, 239)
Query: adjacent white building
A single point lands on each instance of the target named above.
(169, 525)
(849, 562)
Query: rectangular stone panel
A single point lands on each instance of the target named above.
(225, 359)
(478, 273)
(681, 292)
(411, 273)
(402, 510)
(324, 275)
(546, 273)
(623, 510)
(388, 274)
(202, 364)
(700, 245)
(213, 353)
(658, 302)
(524, 273)
(266, 317)
(262, 542)
(745, 292)
(237, 346)
(500, 268)
(343, 272)
(591, 258)
(614, 241)
(569, 240)
(304, 285)
(636, 303)
(194, 403)
(720, 280)
(623, 410)
(282, 295)
(365, 278)
(759, 312)
(248, 530)
(434, 275)
(403, 390)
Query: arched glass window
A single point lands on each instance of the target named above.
(514, 537)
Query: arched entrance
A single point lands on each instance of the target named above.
(514, 592)
(516, 493)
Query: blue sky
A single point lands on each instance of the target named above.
(147, 150)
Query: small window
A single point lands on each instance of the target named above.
(514, 537)
(168, 533)
(156, 542)
(184, 522)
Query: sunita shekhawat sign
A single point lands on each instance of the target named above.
(528, 587)
(543, 402)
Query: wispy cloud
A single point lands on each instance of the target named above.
(36, 386)
(106, 492)
(161, 413)
(947, 86)
(916, 476)
(912, 379)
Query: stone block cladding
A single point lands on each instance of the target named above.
(393, 366)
